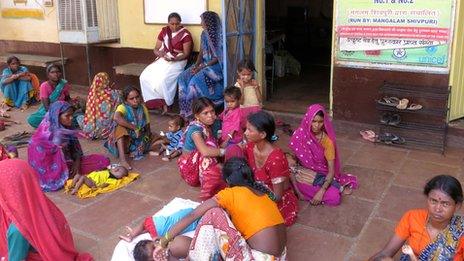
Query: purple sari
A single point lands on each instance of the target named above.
(310, 154)
(46, 151)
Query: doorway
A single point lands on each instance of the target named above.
(298, 53)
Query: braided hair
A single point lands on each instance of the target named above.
(236, 172)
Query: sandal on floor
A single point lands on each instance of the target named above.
(414, 107)
(403, 104)
(389, 101)
(395, 120)
(368, 135)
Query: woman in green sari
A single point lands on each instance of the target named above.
(55, 89)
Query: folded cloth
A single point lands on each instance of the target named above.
(86, 192)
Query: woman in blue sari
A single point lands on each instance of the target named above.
(432, 233)
(204, 78)
(16, 84)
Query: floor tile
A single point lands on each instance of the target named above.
(378, 157)
(309, 244)
(347, 219)
(416, 173)
(398, 200)
(119, 209)
(372, 183)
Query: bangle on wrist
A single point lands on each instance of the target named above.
(222, 152)
(230, 136)
(205, 64)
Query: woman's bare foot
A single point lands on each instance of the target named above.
(166, 158)
(165, 110)
(23, 108)
(126, 165)
(4, 114)
(154, 153)
(74, 191)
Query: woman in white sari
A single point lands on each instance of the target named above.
(159, 80)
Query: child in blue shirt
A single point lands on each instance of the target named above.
(157, 226)
(169, 142)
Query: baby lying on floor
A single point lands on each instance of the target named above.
(99, 179)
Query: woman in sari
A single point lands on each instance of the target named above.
(55, 89)
(101, 103)
(159, 80)
(204, 78)
(130, 130)
(433, 233)
(198, 164)
(314, 146)
(16, 84)
(31, 226)
(55, 152)
(241, 222)
(269, 163)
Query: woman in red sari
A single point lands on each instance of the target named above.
(159, 80)
(31, 226)
(269, 163)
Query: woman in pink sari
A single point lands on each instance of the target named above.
(314, 146)
(31, 226)
(159, 80)
(55, 152)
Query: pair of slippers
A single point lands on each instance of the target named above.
(387, 138)
(390, 138)
(400, 104)
(390, 119)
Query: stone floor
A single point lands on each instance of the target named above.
(390, 183)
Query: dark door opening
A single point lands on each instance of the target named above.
(298, 53)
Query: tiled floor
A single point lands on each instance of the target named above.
(390, 183)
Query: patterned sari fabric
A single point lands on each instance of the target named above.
(310, 154)
(52, 148)
(274, 171)
(208, 82)
(101, 103)
(197, 169)
(216, 238)
(17, 93)
(38, 220)
(137, 146)
(445, 245)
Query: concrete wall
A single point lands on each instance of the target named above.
(32, 30)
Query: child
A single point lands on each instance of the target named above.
(12, 151)
(251, 95)
(170, 141)
(99, 179)
(232, 132)
(157, 226)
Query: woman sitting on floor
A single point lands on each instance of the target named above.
(269, 164)
(198, 164)
(55, 89)
(130, 128)
(314, 146)
(241, 222)
(16, 84)
(32, 227)
(55, 152)
(433, 233)
(101, 104)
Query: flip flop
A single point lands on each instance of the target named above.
(395, 120)
(389, 101)
(403, 104)
(414, 107)
(368, 135)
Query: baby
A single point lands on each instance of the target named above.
(169, 142)
(158, 226)
(99, 179)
